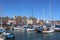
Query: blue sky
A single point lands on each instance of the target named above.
(24, 8)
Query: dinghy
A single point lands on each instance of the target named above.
(8, 35)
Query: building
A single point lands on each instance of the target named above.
(34, 20)
(40, 22)
(14, 17)
(29, 21)
(24, 20)
(19, 20)
(11, 21)
(57, 22)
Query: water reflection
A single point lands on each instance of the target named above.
(49, 36)
(20, 35)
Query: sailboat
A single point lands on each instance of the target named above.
(30, 28)
(40, 27)
(50, 30)
(3, 31)
(52, 26)
(1, 28)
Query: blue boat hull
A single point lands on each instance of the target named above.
(39, 29)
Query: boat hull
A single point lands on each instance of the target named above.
(16, 28)
(38, 31)
(29, 29)
(50, 31)
(57, 29)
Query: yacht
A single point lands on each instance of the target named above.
(57, 27)
(30, 29)
(39, 29)
(33, 28)
(51, 29)
(17, 28)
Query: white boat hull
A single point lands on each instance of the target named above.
(30, 29)
(23, 29)
(1, 39)
(6, 33)
(57, 29)
(16, 28)
(50, 31)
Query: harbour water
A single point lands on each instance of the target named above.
(33, 35)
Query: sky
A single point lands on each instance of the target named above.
(12, 8)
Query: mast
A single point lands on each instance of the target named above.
(32, 15)
(1, 15)
(52, 26)
(50, 13)
(43, 15)
(32, 12)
